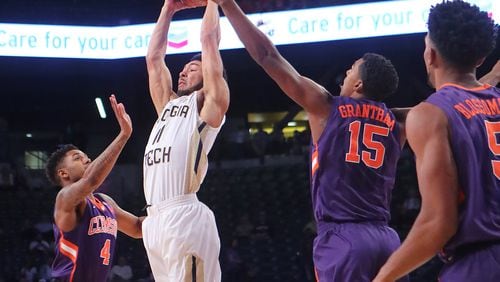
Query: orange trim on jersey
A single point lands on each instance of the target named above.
(104, 204)
(98, 203)
(70, 250)
(479, 88)
(314, 160)
(316, 274)
(109, 207)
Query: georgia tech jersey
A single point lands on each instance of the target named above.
(175, 159)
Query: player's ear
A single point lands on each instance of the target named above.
(358, 86)
(62, 173)
(433, 56)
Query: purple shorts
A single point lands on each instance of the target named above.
(352, 251)
(481, 263)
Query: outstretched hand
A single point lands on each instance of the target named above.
(122, 116)
(178, 5)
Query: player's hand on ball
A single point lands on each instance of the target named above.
(178, 5)
(195, 3)
(218, 2)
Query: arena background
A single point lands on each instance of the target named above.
(257, 185)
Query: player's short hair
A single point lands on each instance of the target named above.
(54, 160)
(380, 78)
(197, 57)
(462, 33)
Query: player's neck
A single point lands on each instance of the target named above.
(357, 95)
(466, 80)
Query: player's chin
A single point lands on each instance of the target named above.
(182, 92)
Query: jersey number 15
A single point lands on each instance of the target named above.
(373, 159)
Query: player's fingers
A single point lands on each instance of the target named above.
(194, 3)
(202, 3)
(121, 109)
(112, 100)
(124, 112)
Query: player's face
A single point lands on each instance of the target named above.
(190, 78)
(352, 79)
(428, 60)
(74, 164)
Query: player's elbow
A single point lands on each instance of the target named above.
(153, 57)
(137, 234)
(215, 118)
(444, 228)
(266, 57)
(448, 218)
(449, 228)
(133, 231)
(210, 38)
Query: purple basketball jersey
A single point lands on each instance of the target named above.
(474, 123)
(354, 162)
(86, 252)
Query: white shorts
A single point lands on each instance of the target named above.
(182, 242)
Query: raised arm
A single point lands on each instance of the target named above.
(493, 77)
(127, 222)
(160, 78)
(437, 221)
(215, 89)
(68, 198)
(305, 92)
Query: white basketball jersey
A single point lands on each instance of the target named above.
(175, 159)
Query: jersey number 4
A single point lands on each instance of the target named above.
(492, 129)
(374, 159)
(105, 253)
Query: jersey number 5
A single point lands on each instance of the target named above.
(105, 253)
(367, 134)
(492, 129)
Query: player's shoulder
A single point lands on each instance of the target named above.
(426, 115)
(424, 110)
